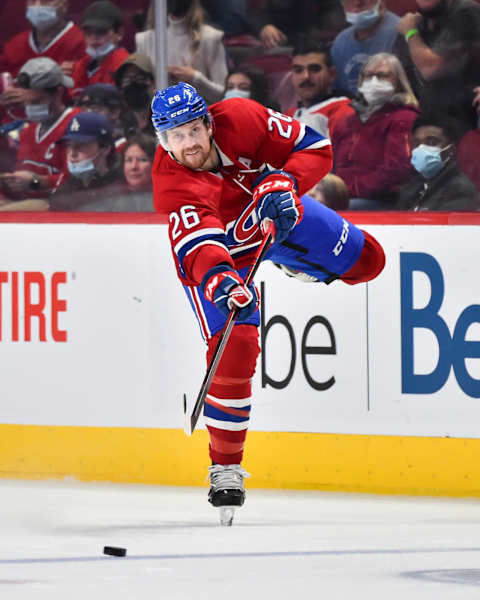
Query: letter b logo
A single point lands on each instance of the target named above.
(452, 350)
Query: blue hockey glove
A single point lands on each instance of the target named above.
(277, 201)
(223, 286)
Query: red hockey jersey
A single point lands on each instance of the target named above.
(68, 45)
(211, 214)
(103, 73)
(327, 113)
(39, 152)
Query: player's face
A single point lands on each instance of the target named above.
(191, 144)
(311, 76)
(136, 167)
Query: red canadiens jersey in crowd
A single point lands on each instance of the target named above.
(211, 214)
(85, 74)
(39, 152)
(68, 45)
(325, 114)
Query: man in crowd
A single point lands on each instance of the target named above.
(135, 80)
(211, 182)
(104, 98)
(313, 75)
(372, 30)
(102, 23)
(439, 47)
(93, 165)
(439, 184)
(40, 161)
(51, 35)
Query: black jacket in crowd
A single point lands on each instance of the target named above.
(450, 189)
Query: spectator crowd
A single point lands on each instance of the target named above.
(394, 84)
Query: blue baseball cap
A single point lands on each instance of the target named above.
(88, 126)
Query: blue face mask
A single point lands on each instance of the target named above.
(236, 93)
(81, 168)
(427, 160)
(101, 51)
(365, 18)
(41, 17)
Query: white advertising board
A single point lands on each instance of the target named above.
(96, 330)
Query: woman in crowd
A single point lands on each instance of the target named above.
(372, 147)
(248, 82)
(137, 162)
(196, 53)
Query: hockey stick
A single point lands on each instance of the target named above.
(191, 421)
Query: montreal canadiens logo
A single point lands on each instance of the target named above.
(246, 226)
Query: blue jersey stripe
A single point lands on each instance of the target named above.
(219, 415)
(311, 138)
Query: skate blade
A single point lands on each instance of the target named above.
(226, 515)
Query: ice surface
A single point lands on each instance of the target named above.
(282, 545)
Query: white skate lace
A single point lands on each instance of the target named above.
(227, 477)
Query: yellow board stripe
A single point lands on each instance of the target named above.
(362, 463)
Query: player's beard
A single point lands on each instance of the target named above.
(196, 160)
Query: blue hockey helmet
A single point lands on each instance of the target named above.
(176, 105)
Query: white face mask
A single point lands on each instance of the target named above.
(37, 112)
(42, 17)
(101, 50)
(365, 18)
(236, 93)
(375, 90)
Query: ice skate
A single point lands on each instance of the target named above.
(227, 491)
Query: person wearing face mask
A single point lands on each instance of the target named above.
(52, 35)
(196, 53)
(102, 24)
(93, 164)
(438, 184)
(372, 146)
(135, 81)
(372, 30)
(40, 162)
(439, 47)
(248, 82)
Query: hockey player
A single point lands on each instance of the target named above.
(211, 179)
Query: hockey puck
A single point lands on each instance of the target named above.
(113, 551)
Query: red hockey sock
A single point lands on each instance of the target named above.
(227, 406)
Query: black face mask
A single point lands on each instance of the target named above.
(436, 11)
(178, 8)
(137, 96)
